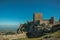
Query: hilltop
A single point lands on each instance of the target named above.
(49, 36)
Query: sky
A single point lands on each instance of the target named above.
(15, 12)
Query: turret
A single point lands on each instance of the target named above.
(52, 20)
(59, 20)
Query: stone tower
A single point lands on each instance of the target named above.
(52, 20)
(37, 17)
(59, 20)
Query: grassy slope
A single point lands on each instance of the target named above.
(55, 34)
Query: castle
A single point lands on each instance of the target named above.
(38, 17)
(38, 23)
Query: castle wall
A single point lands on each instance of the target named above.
(46, 22)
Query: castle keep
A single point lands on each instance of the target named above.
(39, 17)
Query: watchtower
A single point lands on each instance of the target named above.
(37, 17)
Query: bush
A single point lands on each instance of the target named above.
(9, 33)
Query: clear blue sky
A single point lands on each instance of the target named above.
(13, 12)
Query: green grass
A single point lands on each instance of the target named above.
(27, 39)
(6, 39)
(55, 34)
